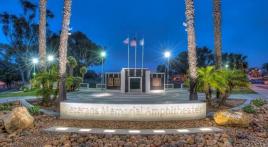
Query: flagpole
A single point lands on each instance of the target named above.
(135, 59)
(142, 56)
(128, 53)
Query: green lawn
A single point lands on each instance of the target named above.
(17, 93)
(243, 91)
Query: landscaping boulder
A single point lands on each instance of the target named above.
(18, 119)
(232, 118)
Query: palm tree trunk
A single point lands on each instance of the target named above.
(42, 33)
(217, 33)
(63, 49)
(191, 48)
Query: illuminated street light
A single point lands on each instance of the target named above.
(226, 66)
(50, 58)
(167, 55)
(34, 61)
(103, 55)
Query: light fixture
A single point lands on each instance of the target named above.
(134, 131)
(183, 130)
(159, 131)
(35, 60)
(50, 58)
(167, 54)
(103, 54)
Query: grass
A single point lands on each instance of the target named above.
(243, 91)
(17, 93)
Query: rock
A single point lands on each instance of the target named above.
(211, 142)
(262, 134)
(190, 140)
(18, 119)
(231, 118)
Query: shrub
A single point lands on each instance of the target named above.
(5, 107)
(258, 102)
(73, 83)
(34, 110)
(249, 109)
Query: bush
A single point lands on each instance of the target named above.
(34, 110)
(249, 109)
(258, 102)
(5, 107)
(73, 83)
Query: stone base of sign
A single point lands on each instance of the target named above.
(133, 112)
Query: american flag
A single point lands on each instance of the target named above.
(133, 42)
(126, 41)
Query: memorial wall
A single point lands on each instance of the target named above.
(133, 112)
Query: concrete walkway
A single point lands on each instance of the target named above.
(133, 131)
(13, 99)
(260, 89)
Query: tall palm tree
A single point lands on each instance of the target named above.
(63, 49)
(192, 59)
(217, 32)
(42, 33)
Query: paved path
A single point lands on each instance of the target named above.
(13, 99)
(260, 89)
(133, 131)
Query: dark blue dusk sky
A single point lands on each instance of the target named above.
(108, 22)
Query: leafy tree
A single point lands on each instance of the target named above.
(22, 34)
(84, 50)
(179, 65)
(83, 71)
(161, 68)
(71, 64)
(8, 73)
(235, 61)
(265, 67)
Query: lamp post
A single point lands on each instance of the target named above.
(34, 61)
(50, 58)
(103, 55)
(167, 55)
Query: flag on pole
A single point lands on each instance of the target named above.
(142, 42)
(126, 41)
(133, 42)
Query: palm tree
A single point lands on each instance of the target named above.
(208, 79)
(72, 63)
(217, 32)
(191, 48)
(42, 33)
(63, 49)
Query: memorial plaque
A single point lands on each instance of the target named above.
(156, 82)
(133, 112)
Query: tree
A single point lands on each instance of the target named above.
(217, 33)
(21, 32)
(235, 61)
(265, 67)
(233, 78)
(42, 33)
(63, 49)
(209, 79)
(71, 64)
(161, 68)
(84, 50)
(83, 71)
(191, 48)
